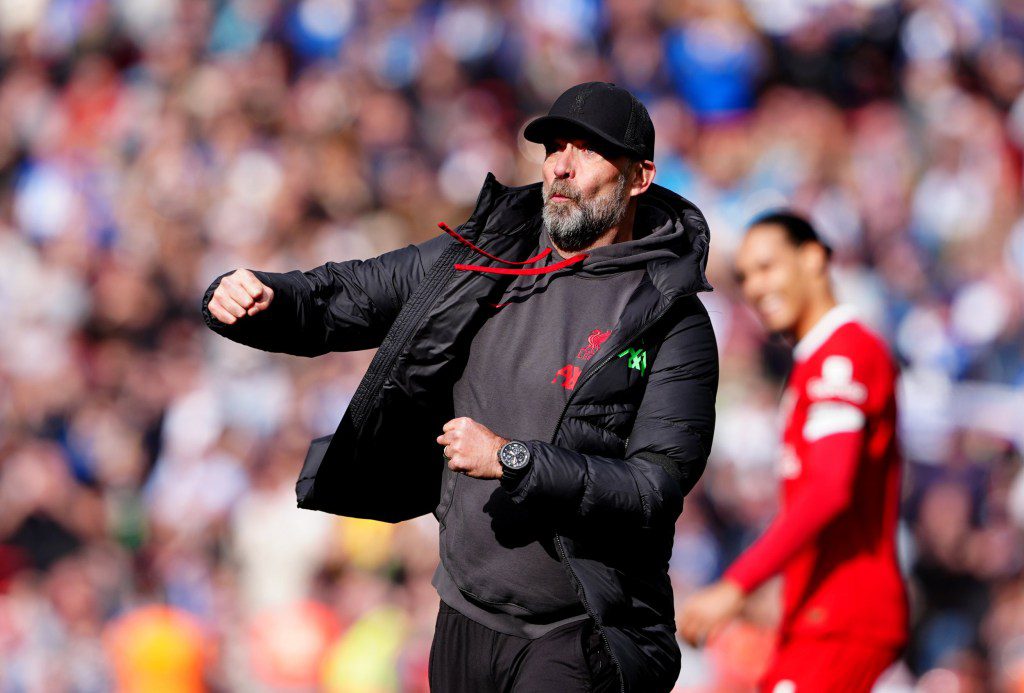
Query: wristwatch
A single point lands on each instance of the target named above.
(514, 457)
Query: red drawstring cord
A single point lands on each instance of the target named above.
(531, 270)
(454, 234)
(509, 270)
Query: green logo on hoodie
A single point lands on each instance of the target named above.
(637, 359)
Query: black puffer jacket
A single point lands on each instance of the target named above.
(612, 475)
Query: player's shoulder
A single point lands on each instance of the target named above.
(840, 331)
(842, 348)
(855, 340)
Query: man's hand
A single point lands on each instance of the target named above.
(471, 448)
(239, 294)
(707, 610)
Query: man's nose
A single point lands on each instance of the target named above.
(563, 164)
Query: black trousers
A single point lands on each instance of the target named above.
(466, 657)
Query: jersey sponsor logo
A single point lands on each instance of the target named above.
(594, 342)
(836, 382)
(784, 686)
(828, 418)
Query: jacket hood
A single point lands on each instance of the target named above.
(671, 238)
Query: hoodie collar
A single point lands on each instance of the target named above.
(671, 237)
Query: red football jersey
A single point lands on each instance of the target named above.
(835, 536)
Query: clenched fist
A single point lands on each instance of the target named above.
(471, 448)
(239, 294)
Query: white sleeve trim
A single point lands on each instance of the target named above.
(829, 418)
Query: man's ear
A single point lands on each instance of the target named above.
(814, 258)
(643, 176)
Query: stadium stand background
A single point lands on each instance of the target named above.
(148, 528)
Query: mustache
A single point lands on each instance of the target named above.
(560, 187)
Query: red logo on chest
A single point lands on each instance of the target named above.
(570, 373)
(594, 342)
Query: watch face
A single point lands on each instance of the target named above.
(515, 455)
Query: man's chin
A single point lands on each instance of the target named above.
(561, 208)
(573, 243)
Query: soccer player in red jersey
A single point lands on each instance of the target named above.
(844, 615)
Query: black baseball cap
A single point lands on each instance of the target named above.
(602, 110)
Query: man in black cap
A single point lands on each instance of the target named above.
(554, 352)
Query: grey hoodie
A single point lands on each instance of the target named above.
(498, 564)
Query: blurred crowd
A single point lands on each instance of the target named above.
(149, 538)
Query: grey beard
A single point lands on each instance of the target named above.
(576, 225)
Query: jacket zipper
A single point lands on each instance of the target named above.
(383, 361)
(405, 326)
(558, 537)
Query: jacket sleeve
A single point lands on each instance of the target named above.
(667, 449)
(339, 306)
